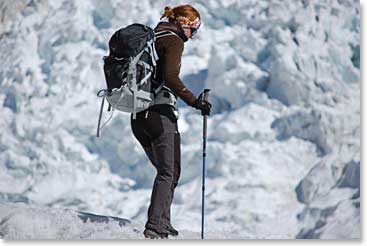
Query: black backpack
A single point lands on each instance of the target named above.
(130, 70)
(134, 41)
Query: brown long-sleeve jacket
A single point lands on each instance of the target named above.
(170, 49)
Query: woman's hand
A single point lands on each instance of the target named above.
(203, 105)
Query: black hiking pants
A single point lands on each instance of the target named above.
(157, 132)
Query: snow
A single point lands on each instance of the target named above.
(283, 140)
(20, 222)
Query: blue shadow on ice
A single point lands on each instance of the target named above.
(101, 219)
(195, 82)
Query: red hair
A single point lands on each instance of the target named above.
(181, 11)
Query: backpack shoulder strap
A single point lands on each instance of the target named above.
(164, 33)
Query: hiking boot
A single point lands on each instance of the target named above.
(171, 231)
(151, 234)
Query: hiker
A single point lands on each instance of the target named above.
(156, 127)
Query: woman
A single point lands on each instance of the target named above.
(156, 128)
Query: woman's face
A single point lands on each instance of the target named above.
(188, 33)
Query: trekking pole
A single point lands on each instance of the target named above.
(99, 94)
(205, 117)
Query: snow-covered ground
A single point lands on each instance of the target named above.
(20, 222)
(283, 157)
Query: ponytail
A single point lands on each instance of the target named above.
(168, 12)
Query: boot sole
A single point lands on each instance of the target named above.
(153, 235)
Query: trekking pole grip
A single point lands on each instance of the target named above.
(206, 94)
